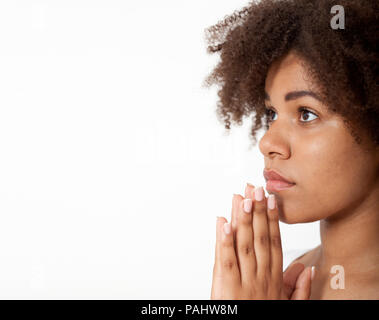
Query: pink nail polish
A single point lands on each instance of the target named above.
(227, 228)
(247, 205)
(246, 188)
(271, 202)
(258, 193)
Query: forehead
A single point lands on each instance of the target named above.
(287, 74)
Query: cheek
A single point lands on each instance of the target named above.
(329, 181)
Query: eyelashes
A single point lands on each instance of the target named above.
(301, 110)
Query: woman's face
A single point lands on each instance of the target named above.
(316, 151)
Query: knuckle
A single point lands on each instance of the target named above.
(262, 239)
(276, 241)
(228, 264)
(246, 249)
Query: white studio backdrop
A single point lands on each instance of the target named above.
(113, 165)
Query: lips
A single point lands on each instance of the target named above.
(276, 182)
(273, 175)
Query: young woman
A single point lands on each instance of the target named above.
(312, 81)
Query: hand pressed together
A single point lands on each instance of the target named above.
(248, 258)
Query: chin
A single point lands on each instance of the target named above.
(295, 217)
(292, 216)
(291, 210)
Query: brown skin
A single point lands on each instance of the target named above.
(248, 259)
(337, 182)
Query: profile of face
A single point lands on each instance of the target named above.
(312, 148)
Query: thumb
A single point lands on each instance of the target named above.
(290, 276)
(303, 285)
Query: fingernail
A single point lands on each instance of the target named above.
(248, 187)
(271, 202)
(313, 272)
(258, 193)
(247, 204)
(227, 227)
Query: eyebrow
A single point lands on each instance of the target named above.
(297, 94)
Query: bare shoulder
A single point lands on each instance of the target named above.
(308, 258)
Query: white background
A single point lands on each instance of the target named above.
(113, 165)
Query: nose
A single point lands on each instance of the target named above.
(275, 142)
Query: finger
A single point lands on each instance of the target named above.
(248, 190)
(234, 214)
(261, 234)
(215, 274)
(244, 241)
(276, 255)
(217, 270)
(303, 285)
(290, 276)
(234, 218)
(220, 221)
(228, 261)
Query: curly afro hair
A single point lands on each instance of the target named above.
(342, 62)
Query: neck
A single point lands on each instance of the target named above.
(351, 238)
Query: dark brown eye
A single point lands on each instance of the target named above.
(307, 112)
(269, 113)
